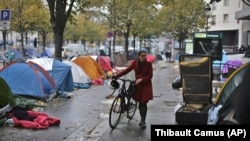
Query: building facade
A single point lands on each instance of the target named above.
(222, 19)
(243, 15)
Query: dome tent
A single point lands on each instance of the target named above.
(30, 80)
(90, 67)
(60, 72)
(7, 99)
(80, 78)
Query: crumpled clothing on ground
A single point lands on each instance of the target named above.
(213, 114)
(41, 121)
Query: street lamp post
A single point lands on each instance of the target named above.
(207, 14)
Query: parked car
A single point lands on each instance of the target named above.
(66, 52)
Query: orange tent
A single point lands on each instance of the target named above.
(90, 67)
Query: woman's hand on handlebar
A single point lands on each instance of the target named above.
(113, 76)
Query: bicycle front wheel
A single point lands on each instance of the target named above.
(132, 106)
(115, 112)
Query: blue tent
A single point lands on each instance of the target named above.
(32, 52)
(63, 76)
(14, 55)
(60, 72)
(28, 79)
(46, 53)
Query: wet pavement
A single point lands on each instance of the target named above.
(84, 117)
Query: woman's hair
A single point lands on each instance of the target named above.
(141, 51)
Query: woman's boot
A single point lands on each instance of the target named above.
(143, 113)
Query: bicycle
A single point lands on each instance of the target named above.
(123, 102)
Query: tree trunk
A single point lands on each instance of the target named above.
(114, 42)
(134, 36)
(109, 49)
(84, 45)
(126, 36)
(58, 45)
(26, 38)
(44, 41)
(140, 44)
(58, 19)
(126, 45)
(22, 45)
(181, 40)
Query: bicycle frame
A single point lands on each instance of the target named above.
(122, 103)
(124, 92)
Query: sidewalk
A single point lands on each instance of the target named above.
(84, 117)
(160, 111)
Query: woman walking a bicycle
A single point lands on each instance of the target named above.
(143, 84)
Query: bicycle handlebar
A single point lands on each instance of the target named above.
(125, 80)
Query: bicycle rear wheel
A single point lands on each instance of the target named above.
(132, 106)
(115, 112)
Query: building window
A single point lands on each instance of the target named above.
(248, 38)
(225, 18)
(213, 20)
(226, 2)
(214, 6)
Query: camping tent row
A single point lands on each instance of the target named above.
(41, 78)
(15, 54)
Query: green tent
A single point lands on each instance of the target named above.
(6, 96)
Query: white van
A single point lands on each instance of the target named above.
(66, 52)
(73, 49)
